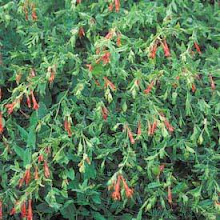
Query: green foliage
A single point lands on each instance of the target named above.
(109, 110)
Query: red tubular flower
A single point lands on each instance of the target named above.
(104, 113)
(110, 7)
(106, 58)
(170, 200)
(96, 82)
(117, 5)
(130, 135)
(162, 166)
(27, 176)
(118, 41)
(212, 82)
(193, 87)
(78, 1)
(153, 128)
(35, 104)
(1, 214)
(25, 11)
(166, 48)
(36, 175)
(67, 127)
(108, 83)
(10, 107)
(1, 123)
(51, 71)
(153, 51)
(109, 35)
(40, 158)
(13, 211)
(32, 72)
(217, 203)
(46, 170)
(30, 212)
(197, 48)
(168, 126)
(97, 51)
(81, 32)
(23, 210)
(128, 191)
(34, 14)
(21, 181)
(28, 101)
(90, 67)
(116, 194)
(139, 129)
(149, 88)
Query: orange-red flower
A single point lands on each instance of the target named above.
(105, 58)
(40, 158)
(193, 87)
(116, 195)
(20, 182)
(167, 124)
(90, 67)
(170, 200)
(78, 1)
(165, 48)
(110, 7)
(118, 41)
(46, 170)
(10, 107)
(81, 32)
(27, 176)
(32, 72)
(13, 210)
(128, 191)
(212, 82)
(35, 104)
(67, 126)
(1, 123)
(162, 166)
(52, 72)
(108, 83)
(30, 212)
(104, 112)
(197, 48)
(130, 135)
(149, 88)
(25, 11)
(117, 5)
(36, 175)
(153, 50)
(23, 210)
(109, 35)
(34, 14)
(139, 129)
(28, 101)
(152, 128)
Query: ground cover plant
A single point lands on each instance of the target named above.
(109, 109)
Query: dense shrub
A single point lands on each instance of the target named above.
(110, 109)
